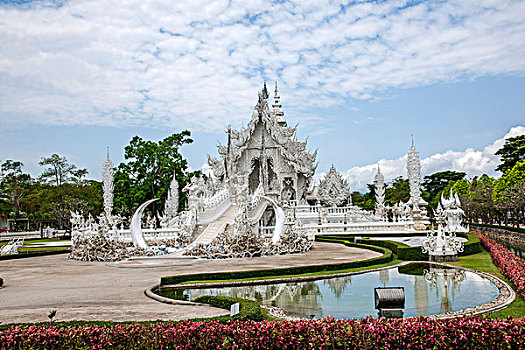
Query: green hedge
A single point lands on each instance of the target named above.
(298, 270)
(405, 252)
(30, 255)
(508, 228)
(472, 246)
(248, 309)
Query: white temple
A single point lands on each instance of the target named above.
(262, 199)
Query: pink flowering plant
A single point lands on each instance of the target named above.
(510, 265)
(475, 332)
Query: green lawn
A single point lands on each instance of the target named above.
(483, 262)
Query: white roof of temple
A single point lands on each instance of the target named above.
(293, 150)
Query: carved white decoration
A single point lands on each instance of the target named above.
(107, 187)
(136, 225)
(414, 175)
(444, 246)
(12, 247)
(333, 189)
(379, 184)
(171, 206)
(279, 220)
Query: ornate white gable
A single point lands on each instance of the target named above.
(267, 151)
(333, 189)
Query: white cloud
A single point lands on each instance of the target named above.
(198, 64)
(472, 162)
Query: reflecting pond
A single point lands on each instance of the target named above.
(428, 290)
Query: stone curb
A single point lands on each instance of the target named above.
(505, 297)
(150, 293)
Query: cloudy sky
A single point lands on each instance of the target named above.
(359, 77)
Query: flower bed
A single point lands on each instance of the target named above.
(415, 333)
(509, 264)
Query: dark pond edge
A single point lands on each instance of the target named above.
(505, 297)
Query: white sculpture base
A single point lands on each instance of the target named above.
(447, 256)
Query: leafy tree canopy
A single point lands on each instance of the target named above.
(512, 152)
(399, 191)
(510, 188)
(58, 169)
(14, 186)
(148, 171)
(436, 182)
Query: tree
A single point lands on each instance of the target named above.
(435, 183)
(509, 192)
(78, 174)
(365, 201)
(512, 152)
(58, 172)
(148, 171)
(58, 169)
(399, 191)
(14, 185)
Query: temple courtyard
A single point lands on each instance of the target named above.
(97, 291)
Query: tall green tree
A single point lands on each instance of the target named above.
(148, 170)
(58, 169)
(512, 152)
(509, 193)
(14, 186)
(399, 191)
(435, 183)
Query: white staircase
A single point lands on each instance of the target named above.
(216, 227)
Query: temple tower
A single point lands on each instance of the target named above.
(107, 186)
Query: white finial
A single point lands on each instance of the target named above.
(277, 107)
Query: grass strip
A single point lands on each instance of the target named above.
(483, 262)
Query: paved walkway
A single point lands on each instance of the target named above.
(95, 291)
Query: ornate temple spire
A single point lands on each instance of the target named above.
(379, 183)
(414, 174)
(107, 186)
(265, 93)
(172, 202)
(278, 108)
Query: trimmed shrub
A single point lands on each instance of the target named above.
(499, 227)
(248, 309)
(22, 255)
(298, 270)
(405, 252)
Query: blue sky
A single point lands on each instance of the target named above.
(359, 77)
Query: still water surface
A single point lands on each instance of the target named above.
(428, 290)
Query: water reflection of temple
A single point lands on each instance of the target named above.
(297, 298)
(338, 285)
(445, 282)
